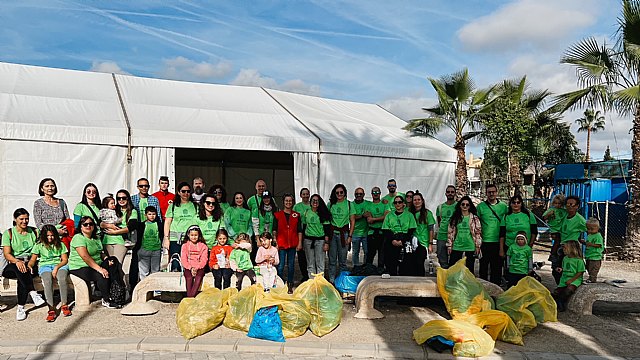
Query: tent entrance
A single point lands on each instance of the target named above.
(237, 170)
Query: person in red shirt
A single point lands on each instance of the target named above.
(165, 197)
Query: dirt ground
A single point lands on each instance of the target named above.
(606, 333)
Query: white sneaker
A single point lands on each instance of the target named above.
(37, 299)
(21, 314)
(108, 305)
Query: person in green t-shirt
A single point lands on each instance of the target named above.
(118, 238)
(491, 212)
(572, 270)
(594, 249)
(90, 205)
(150, 236)
(519, 259)
(343, 219)
(240, 260)
(254, 201)
(210, 219)
(221, 196)
(316, 230)
(376, 211)
(392, 186)
(304, 203)
(554, 216)
(425, 223)
(398, 227)
(464, 236)
(180, 215)
(518, 218)
(237, 219)
(361, 228)
(262, 218)
(573, 226)
(51, 254)
(444, 212)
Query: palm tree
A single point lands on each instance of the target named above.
(457, 108)
(592, 122)
(609, 79)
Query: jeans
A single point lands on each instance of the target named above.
(315, 256)
(288, 257)
(222, 274)
(491, 262)
(148, 262)
(25, 281)
(443, 255)
(337, 256)
(46, 275)
(356, 242)
(174, 248)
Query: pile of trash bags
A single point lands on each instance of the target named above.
(273, 315)
(478, 319)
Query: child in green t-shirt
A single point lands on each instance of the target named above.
(594, 249)
(150, 234)
(519, 259)
(240, 260)
(554, 217)
(572, 271)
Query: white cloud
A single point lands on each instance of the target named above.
(181, 68)
(407, 107)
(555, 77)
(538, 23)
(107, 67)
(252, 77)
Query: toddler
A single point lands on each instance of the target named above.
(150, 253)
(267, 258)
(594, 249)
(240, 260)
(219, 261)
(554, 217)
(572, 270)
(193, 256)
(108, 212)
(519, 259)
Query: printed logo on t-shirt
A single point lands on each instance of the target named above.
(448, 212)
(25, 244)
(210, 225)
(185, 212)
(516, 220)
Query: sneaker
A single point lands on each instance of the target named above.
(108, 305)
(37, 299)
(128, 244)
(588, 281)
(65, 310)
(51, 316)
(21, 314)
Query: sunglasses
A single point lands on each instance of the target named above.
(450, 192)
(359, 194)
(185, 191)
(143, 186)
(398, 202)
(90, 192)
(88, 224)
(315, 201)
(340, 192)
(217, 192)
(391, 186)
(465, 204)
(516, 202)
(121, 198)
(210, 202)
(375, 193)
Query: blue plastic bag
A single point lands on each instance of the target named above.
(266, 325)
(346, 283)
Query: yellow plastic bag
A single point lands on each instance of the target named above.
(498, 325)
(528, 304)
(470, 340)
(242, 307)
(196, 316)
(462, 293)
(323, 302)
(292, 310)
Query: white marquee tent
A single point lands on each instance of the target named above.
(79, 127)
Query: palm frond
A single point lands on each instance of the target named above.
(594, 63)
(424, 127)
(595, 96)
(627, 100)
(629, 33)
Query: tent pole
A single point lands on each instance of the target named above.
(126, 120)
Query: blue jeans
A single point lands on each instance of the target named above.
(287, 256)
(356, 242)
(337, 255)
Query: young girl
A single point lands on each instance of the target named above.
(219, 260)
(554, 216)
(267, 258)
(240, 260)
(53, 264)
(193, 256)
(594, 249)
(572, 271)
(519, 259)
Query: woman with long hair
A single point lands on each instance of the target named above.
(316, 225)
(114, 238)
(90, 205)
(237, 218)
(287, 230)
(398, 228)
(518, 218)
(221, 196)
(180, 215)
(464, 234)
(210, 219)
(424, 232)
(343, 219)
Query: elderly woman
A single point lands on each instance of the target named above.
(50, 210)
(114, 238)
(17, 243)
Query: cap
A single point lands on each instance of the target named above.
(266, 193)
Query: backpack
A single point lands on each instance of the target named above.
(117, 289)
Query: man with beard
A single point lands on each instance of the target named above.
(198, 189)
(491, 212)
(443, 214)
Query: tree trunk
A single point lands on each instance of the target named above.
(631, 250)
(462, 181)
(514, 173)
(587, 158)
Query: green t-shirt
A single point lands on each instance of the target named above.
(572, 228)
(265, 221)
(313, 225)
(422, 230)
(253, 203)
(151, 237)
(389, 200)
(464, 240)
(399, 223)
(224, 207)
(515, 222)
(519, 258)
(242, 258)
(119, 239)
(144, 202)
(377, 210)
(301, 207)
(555, 220)
(209, 229)
(21, 245)
(489, 221)
(49, 255)
(237, 220)
(183, 216)
(570, 267)
(94, 247)
(444, 211)
(592, 253)
(83, 210)
(361, 227)
(341, 212)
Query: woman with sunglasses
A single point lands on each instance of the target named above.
(518, 218)
(114, 238)
(88, 261)
(424, 232)
(464, 236)
(210, 219)
(316, 228)
(180, 215)
(237, 218)
(398, 228)
(221, 196)
(343, 219)
(90, 205)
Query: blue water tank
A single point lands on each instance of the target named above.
(600, 190)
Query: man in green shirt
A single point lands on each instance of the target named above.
(254, 202)
(444, 212)
(491, 212)
(388, 199)
(361, 228)
(376, 211)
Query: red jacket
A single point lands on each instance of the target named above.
(287, 231)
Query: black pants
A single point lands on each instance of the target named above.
(392, 260)
(512, 279)
(222, 274)
(375, 244)
(88, 274)
(25, 281)
(302, 263)
(557, 264)
(457, 255)
(491, 262)
(134, 273)
(417, 261)
(240, 276)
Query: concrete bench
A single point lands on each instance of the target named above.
(172, 282)
(582, 301)
(402, 286)
(76, 285)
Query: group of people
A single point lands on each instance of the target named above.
(202, 232)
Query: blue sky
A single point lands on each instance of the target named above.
(367, 51)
